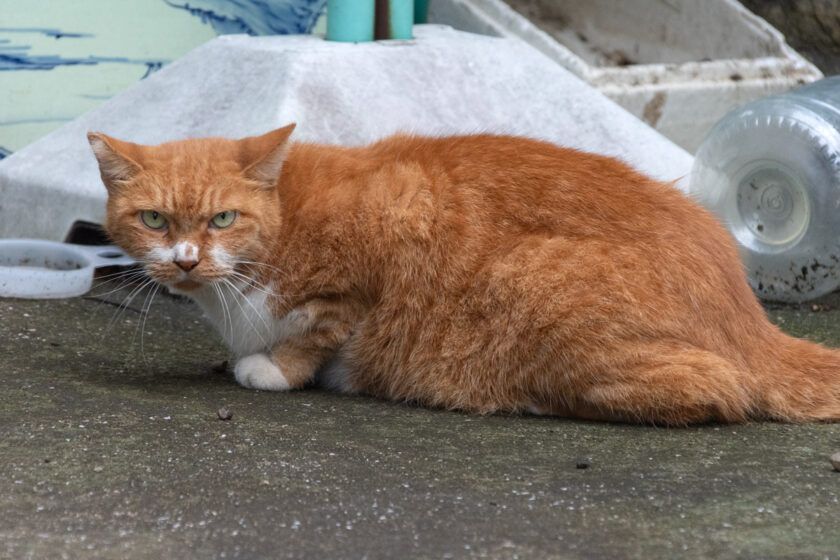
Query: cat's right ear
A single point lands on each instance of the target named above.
(262, 157)
(118, 160)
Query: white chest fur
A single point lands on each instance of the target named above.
(245, 321)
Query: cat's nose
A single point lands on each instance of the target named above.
(186, 266)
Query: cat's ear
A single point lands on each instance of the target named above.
(262, 157)
(118, 160)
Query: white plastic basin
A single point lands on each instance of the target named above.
(35, 268)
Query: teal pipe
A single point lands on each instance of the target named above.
(421, 11)
(394, 19)
(350, 21)
(402, 18)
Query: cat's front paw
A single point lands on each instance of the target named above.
(257, 371)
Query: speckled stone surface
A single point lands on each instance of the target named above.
(112, 447)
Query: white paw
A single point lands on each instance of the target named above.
(257, 371)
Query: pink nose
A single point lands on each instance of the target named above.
(186, 266)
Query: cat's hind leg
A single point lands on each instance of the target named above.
(667, 383)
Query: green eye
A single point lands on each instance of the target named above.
(223, 219)
(152, 219)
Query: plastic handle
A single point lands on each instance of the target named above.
(105, 255)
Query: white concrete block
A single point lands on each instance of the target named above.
(442, 82)
(679, 65)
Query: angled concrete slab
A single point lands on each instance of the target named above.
(442, 82)
(679, 66)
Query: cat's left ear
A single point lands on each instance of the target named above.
(262, 157)
(118, 160)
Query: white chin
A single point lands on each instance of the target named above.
(173, 290)
(184, 287)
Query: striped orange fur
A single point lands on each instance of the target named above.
(482, 273)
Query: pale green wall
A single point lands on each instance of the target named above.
(97, 47)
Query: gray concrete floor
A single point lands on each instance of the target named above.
(112, 448)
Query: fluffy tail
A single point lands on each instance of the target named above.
(802, 385)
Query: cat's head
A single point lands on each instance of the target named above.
(194, 210)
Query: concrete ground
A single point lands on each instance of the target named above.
(112, 448)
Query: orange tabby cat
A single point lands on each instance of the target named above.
(482, 273)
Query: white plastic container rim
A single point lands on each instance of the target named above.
(36, 268)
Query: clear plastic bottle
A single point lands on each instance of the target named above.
(770, 171)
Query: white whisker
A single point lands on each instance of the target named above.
(260, 287)
(124, 281)
(148, 309)
(127, 301)
(140, 321)
(237, 295)
(254, 263)
(227, 318)
(121, 273)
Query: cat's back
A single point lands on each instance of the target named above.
(469, 154)
(517, 163)
(517, 184)
(541, 185)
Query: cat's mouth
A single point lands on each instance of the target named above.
(182, 281)
(187, 285)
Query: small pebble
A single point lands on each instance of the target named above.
(225, 414)
(835, 461)
(582, 464)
